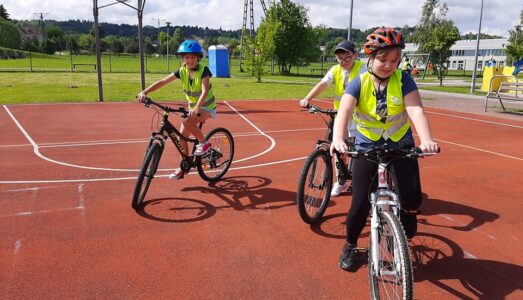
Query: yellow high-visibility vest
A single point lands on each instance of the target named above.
(368, 121)
(339, 87)
(193, 90)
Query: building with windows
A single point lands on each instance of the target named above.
(491, 51)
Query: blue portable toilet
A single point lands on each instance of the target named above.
(219, 61)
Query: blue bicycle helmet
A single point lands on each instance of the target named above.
(190, 46)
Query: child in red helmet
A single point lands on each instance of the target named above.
(198, 90)
(381, 101)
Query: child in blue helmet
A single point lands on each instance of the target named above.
(198, 91)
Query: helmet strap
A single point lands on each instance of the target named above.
(369, 69)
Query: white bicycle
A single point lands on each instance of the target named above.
(390, 266)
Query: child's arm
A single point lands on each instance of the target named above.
(155, 86)
(316, 90)
(206, 86)
(344, 116)
(414, 108)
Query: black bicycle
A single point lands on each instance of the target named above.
(315, 182)
(211, 166)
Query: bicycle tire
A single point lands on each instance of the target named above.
(313, 181)
(394, 279)
(212, 166)
(146, 173)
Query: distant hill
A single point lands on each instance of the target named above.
(84, 27)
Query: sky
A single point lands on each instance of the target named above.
(499, 16)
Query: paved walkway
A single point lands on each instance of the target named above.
(469, 104)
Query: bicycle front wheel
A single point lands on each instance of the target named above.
(212, 166)
(391, 275)
(146, 174)
(314, 186)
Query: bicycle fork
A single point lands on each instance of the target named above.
(382, 200)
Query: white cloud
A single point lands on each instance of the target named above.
(499, 16)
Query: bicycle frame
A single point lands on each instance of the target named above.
(344, 173)
(382, 200)
(168, 131)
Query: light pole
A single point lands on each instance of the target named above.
(350, 22)
(322, 48)
(158, 38)
(168, 23)
(473, 84)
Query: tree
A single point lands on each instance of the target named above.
(514, 48)
(9, 35)
(295, 40)
(86, 42)
(72, 43)
(54, 40)
(435, 35)
(260, 48)
(30, 44)
(3, 13)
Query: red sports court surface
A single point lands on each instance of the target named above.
(68, 230)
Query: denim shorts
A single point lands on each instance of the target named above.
(363, 143)
(211, 111)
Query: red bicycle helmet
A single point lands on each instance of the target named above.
(384, 37)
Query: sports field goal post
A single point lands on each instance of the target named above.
(139, 9)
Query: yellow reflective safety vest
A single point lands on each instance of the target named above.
(369, 123)
(193, 90)
(340, 82)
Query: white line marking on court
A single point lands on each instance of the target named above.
(36, 150)
(138, 141)
(81, 197)
(45, 211)
(17, 247)
(134, 177)
(273, 142)
(473, 119)
(481, 150)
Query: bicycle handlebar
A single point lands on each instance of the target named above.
(148, 102)
(389, 152)
(314, 109)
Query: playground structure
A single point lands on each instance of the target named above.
(420, 61)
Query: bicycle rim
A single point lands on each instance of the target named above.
(212, 166)
(146, 174)
(314, 186)
(394, 278)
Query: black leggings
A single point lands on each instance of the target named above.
(364, 174)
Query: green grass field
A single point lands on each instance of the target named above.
(55, 80)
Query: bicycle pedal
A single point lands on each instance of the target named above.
(361, 249)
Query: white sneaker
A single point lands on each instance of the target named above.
(337, 189)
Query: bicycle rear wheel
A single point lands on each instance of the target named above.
(146, 174)
(212, 166)
(393, 278)
(314, 186)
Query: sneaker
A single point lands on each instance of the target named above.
(347, 257)
(178, 174)
(202, 148)
(337, 188)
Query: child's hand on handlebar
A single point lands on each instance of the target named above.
(304, 103)
(141, 97)
(339, 145)
(429, 147)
